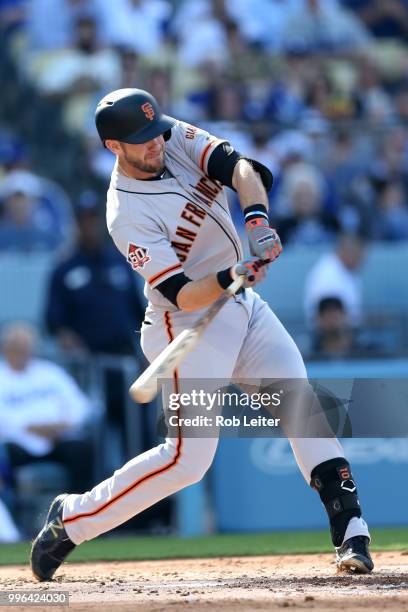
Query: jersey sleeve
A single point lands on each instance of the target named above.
(197, 143)
(148, 251)
(200, 146)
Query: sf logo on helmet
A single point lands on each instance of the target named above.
(148, 110)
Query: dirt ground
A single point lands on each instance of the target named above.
(307, 582)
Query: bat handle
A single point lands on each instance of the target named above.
(236, 284)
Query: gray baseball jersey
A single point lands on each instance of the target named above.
(181, 223)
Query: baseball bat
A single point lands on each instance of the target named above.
(147, 386)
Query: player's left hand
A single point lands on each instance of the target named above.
(252, 268)
(264, 242)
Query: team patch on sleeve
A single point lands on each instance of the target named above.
(137, 256)
(191, 132)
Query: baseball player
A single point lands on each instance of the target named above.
(167, 213)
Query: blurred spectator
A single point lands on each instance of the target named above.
(333, 334)
(346, 168)
(316, 127)
(8, 530)
(51, 23)
(356, 211)
(323, 25)
(93, 302)
(19, 230)
(318, 93)
(278, 25)
(100, 162)
(207, 39)
(35, 214)
(77, 75)
(42, 410)
(401, 100)
(262, 21)
(287, 92)
(261, 149)
(12, 151)
(259, 23)
(385, 19)
(304, 220)
(226, 107)
(82, 68)
(391, 163)
(336, 274)
(391, 220)
(343, 162)
(226, 102)
(141, 24)
(130, 71)
(291, 147)
(12, 15)
(372, 100)
(159, 85)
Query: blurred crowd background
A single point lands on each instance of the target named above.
(315, 89)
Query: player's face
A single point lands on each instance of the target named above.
(147, 157)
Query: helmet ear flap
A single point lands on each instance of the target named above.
(167, 135)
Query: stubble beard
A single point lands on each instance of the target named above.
(143, 166)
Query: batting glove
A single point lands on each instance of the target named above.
(253, 269)
(264, 242)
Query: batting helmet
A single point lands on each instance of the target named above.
(130, 115)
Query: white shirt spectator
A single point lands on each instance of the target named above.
(51, 23)
(201, 36)
(330, 278)
(291, 143)
(62, 69)
(8, 531)
(41, 394)
(323, 24)
(262, 21)
(138, 25)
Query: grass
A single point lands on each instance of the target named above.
(222, 545)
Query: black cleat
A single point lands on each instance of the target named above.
(52, 545)
(354, 557)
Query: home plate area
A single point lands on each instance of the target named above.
(238, 583)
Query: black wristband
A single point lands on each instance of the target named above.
(224, 278)
(255, 211)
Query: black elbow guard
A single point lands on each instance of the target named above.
(223, 161)
(264, 172)
(171, 286)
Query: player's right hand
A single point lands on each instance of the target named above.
(253, 269)
(263, 240)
